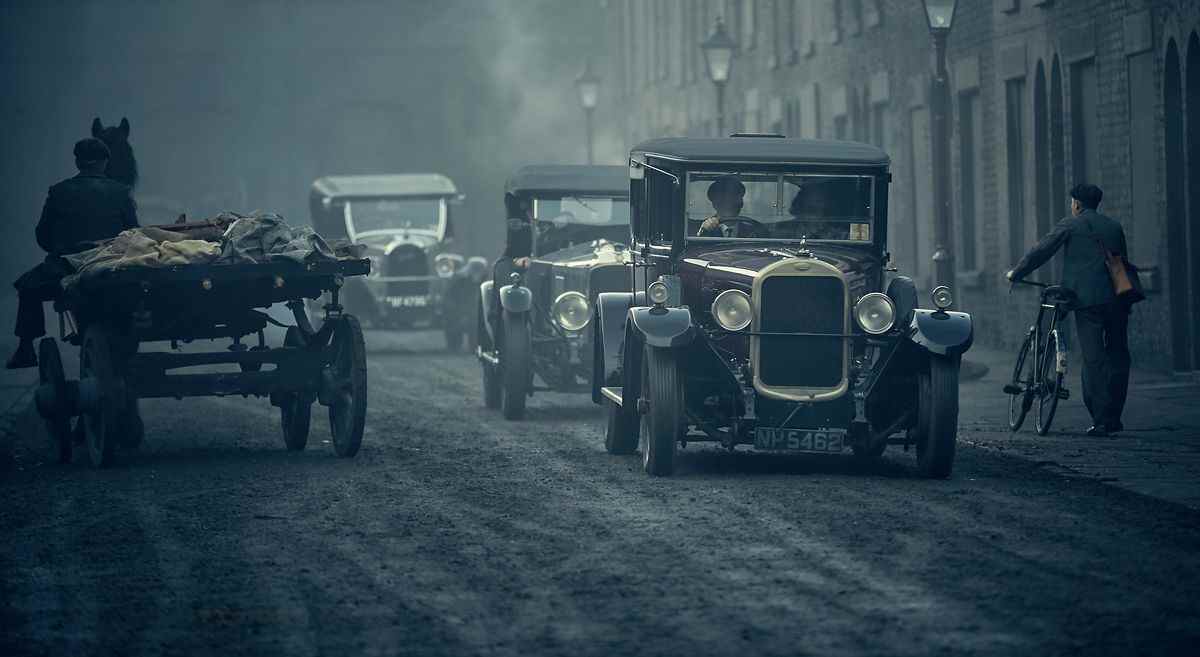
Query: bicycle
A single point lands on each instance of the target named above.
(1041, 378)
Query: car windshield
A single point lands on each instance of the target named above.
(570, 220)
(394, 214)
(779, 206)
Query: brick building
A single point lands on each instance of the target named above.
(1044, 93)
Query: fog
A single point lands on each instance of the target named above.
(239, 105)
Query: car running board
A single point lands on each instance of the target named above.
(613, 394)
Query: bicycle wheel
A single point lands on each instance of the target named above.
(1020, 399)
(1051, 381)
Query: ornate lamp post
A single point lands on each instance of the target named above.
(718, 51)
(588, 85)
(940, 14)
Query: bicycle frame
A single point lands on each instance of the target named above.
(1045, 380)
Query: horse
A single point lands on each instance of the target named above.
(122, 166)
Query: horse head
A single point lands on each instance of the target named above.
(122, 165)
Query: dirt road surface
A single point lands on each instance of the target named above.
(455, 532)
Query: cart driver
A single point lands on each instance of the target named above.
(727, 195)
(78, 211)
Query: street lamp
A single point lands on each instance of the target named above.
(588, 84)
(718, 51)
(940, 14)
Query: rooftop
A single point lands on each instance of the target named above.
(764, 150)
(396, 184)
(571, 178)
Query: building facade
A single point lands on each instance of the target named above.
(1044, 94)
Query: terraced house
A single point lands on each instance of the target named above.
(1043, 94)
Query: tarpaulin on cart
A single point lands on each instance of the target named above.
(266, 237)
(141, 247)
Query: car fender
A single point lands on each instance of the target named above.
(663, 327)
(941, 333)
(516, 298)
(487, 301)
(608, 336)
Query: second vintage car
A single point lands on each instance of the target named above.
(406, 223)
(766, 312)
(567, 226)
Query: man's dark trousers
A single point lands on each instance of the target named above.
(36, 286)
(1103, 334)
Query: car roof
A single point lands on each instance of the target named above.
(560, 178)
(762, 149)
(391, 184)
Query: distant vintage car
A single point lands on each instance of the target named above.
(405, 222)
(537, 322)
(766, 313)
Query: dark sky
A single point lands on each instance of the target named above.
(240, 105)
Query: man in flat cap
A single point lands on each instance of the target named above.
(78, 212)
(727, 195)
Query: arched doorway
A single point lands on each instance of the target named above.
(1058, 154)
(1041, 151)
(1176, 228)
(1193, 184)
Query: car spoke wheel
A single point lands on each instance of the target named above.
(1021, 399)
(348, 412)
(662, 423)
(100, 423)
(57, 422)
(1051, 383)
(514, 365)
(938, 412)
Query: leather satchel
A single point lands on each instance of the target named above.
(1125, 281)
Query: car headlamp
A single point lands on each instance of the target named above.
(875, 313)
(658, 293)
(446, 264)
(732, 310)
(376, 265)
(571, 311)
(942, 298)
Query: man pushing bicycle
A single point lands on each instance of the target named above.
(1089, 239)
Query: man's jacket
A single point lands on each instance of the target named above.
(1084, 271)
(85, 208)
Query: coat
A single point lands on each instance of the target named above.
(1084, 270)
(86, 208)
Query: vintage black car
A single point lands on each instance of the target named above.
(405, 222)
(766, 312)
(572, 221)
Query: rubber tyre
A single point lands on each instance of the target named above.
(514, 366)
(348, 413)
(58, 426)
(661, 426)
(621, 433)
(1019, 404)
(295, 409)
(100, 426)
(1051, 383)
(937, 407)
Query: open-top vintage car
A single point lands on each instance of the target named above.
(765, 311)
(405, 222)
(570, 222)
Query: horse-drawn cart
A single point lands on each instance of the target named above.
(110, 315)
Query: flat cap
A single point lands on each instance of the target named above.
(90, 150)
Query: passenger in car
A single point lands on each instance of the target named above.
(812, 209)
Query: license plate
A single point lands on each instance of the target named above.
(408, 302)
(822, 441)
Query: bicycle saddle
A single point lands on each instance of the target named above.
(1057, 295)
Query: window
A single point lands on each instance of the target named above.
(970, 166)
(777, 27)
(1014, 101)
(1085, 151)
(853, 16)
(793, 38)
(749, 24)
(833, 20)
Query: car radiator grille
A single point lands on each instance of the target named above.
(407, 260)
(802, 304)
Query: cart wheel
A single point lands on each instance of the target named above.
(295, 415)
(295, 411)
(58, 423)
(100, 423)
(348, 412)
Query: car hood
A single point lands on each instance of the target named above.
(591, 254)
(738, 265)
(388, 241)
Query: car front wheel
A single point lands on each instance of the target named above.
(662, 422)
(937, 423)
(514, 366)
